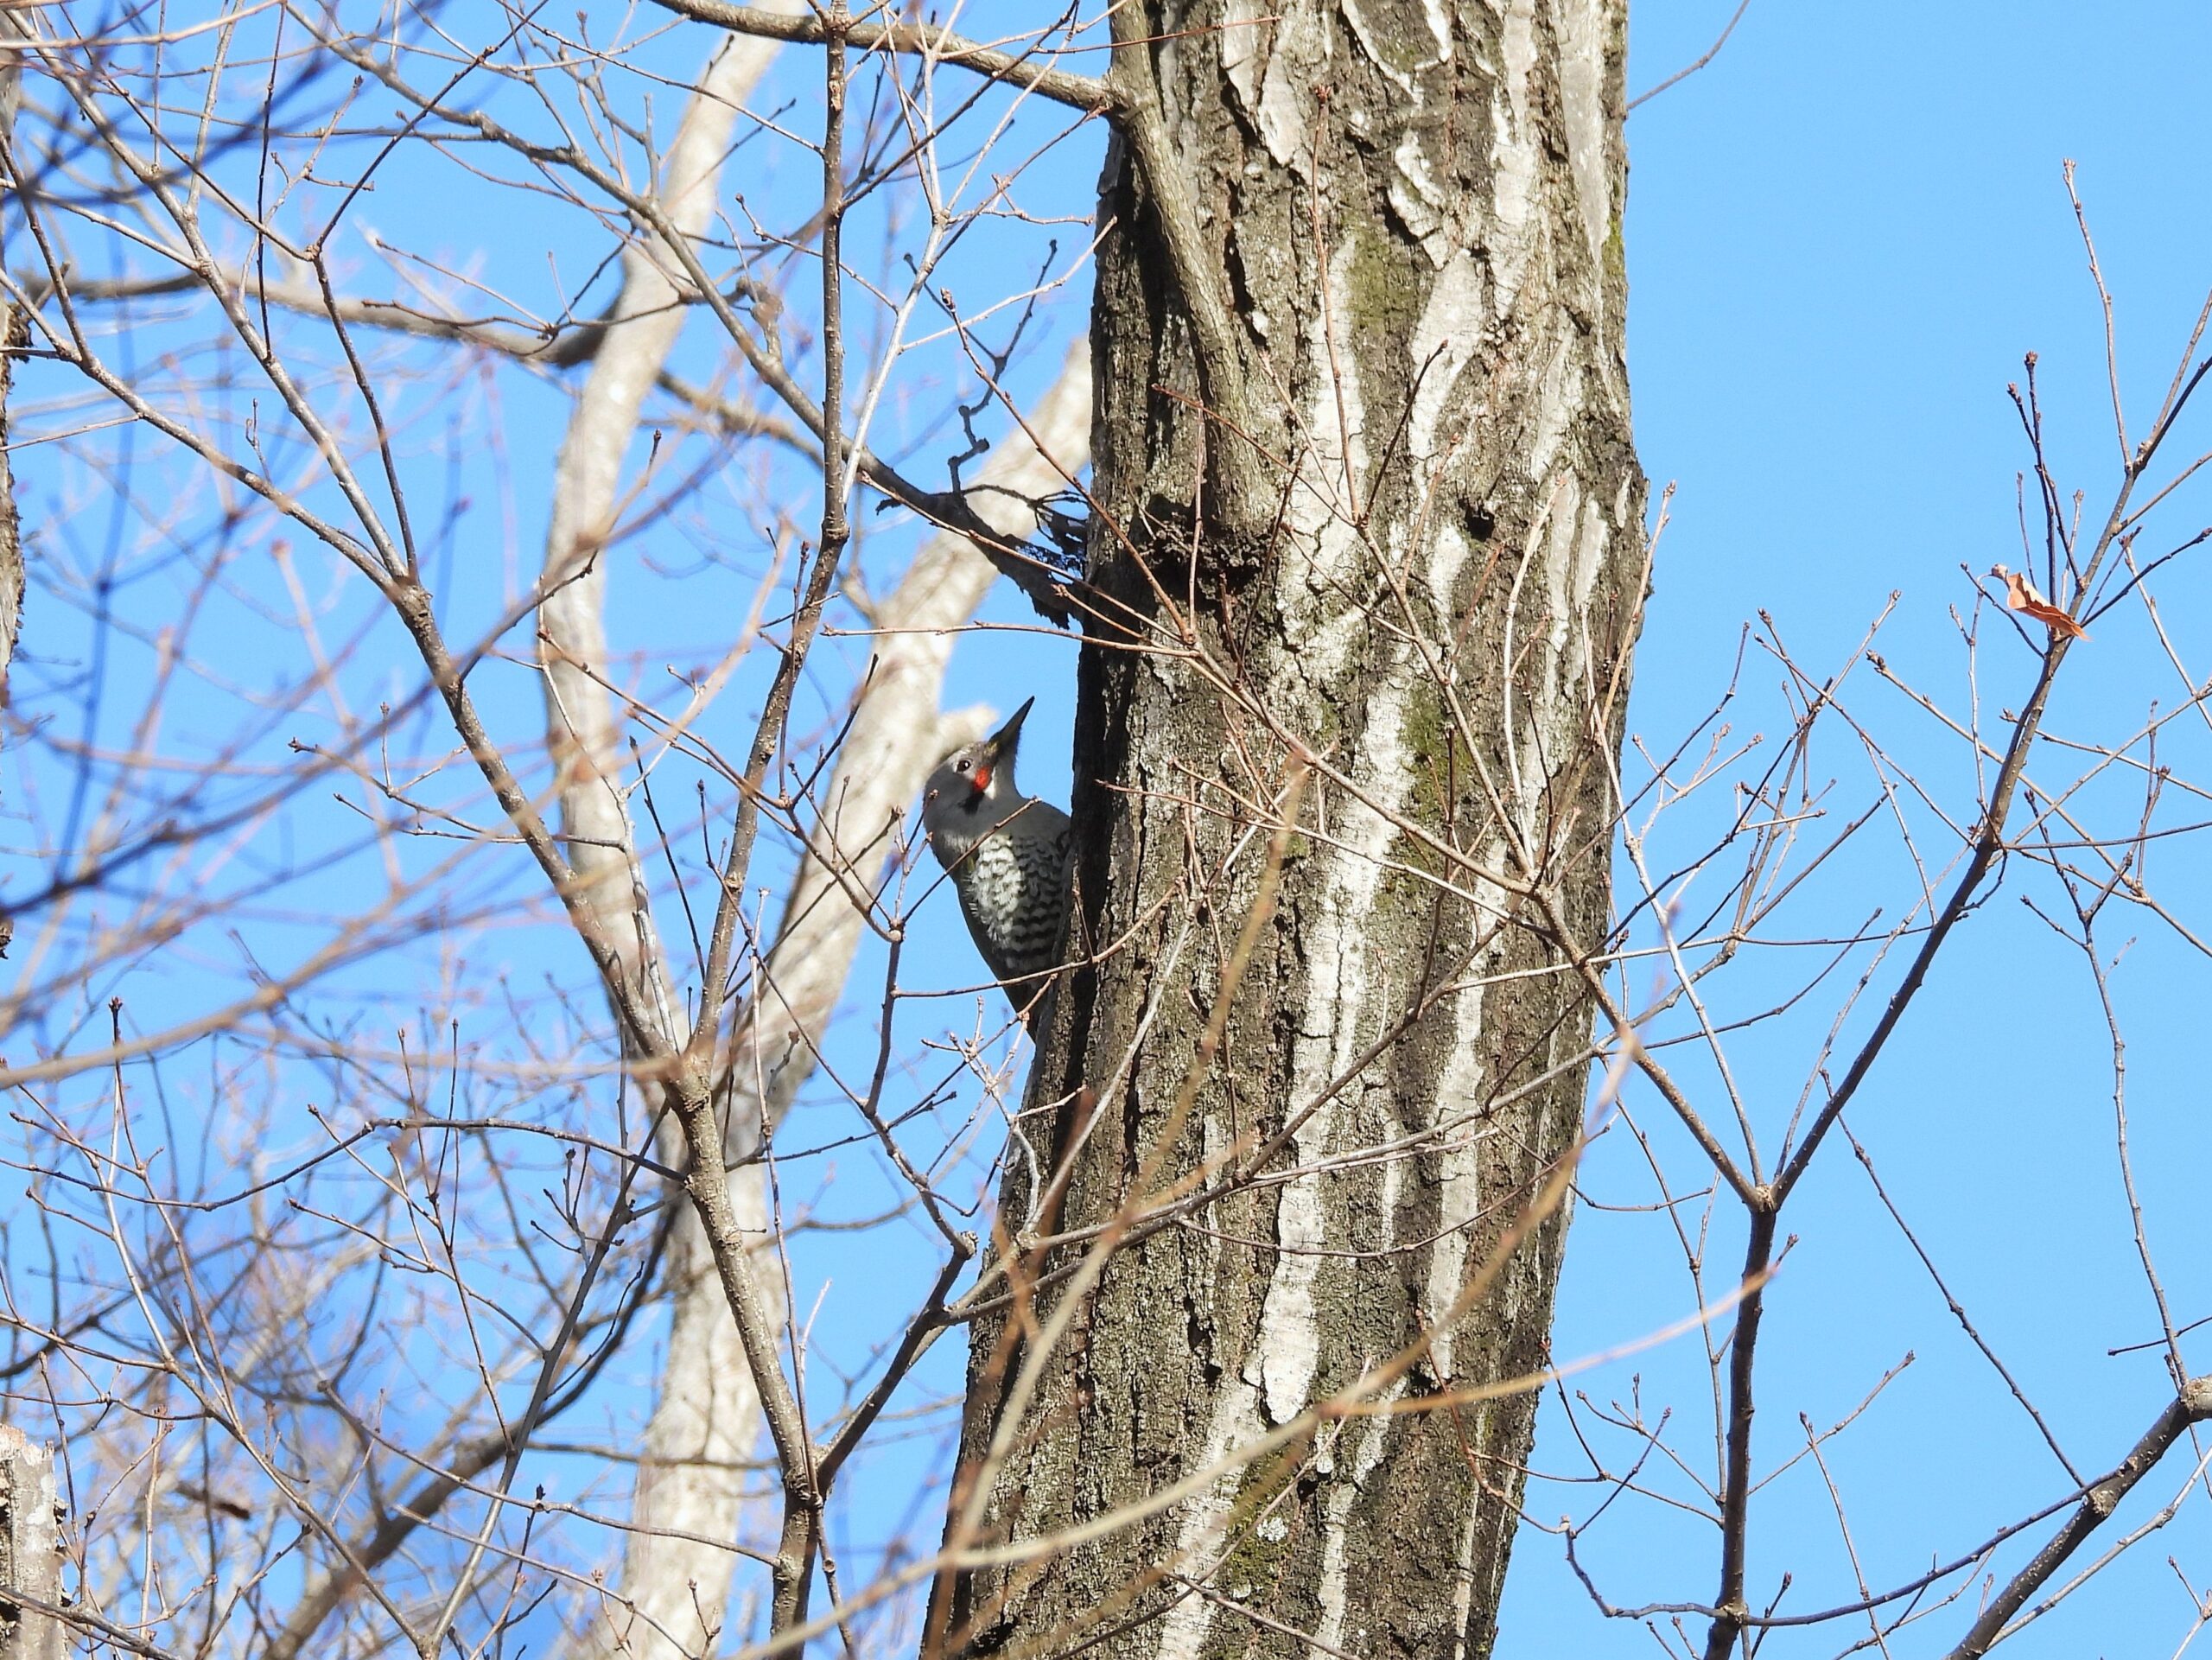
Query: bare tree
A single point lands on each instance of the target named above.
(515, 1149)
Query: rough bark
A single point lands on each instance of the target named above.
(1413, 213)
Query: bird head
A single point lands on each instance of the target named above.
(973, 787)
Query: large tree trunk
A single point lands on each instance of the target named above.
(1405, 547)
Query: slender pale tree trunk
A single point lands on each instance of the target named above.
(677, 1560)
(1369, 513)
(15, 338)
(677, 1563)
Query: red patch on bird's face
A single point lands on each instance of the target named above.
(981, 778)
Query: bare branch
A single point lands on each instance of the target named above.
(2192, 1406)
(928, 40)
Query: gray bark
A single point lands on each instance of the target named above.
(1415, 559)
(30, 1550)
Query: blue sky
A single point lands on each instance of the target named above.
(1843, 234)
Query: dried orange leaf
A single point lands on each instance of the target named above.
(2022, 595)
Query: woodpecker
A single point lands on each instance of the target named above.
(1007, 854)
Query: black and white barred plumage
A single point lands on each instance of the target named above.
(1007, 854)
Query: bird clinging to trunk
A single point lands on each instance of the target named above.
(1007, 855)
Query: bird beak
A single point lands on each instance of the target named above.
(1003, 740)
